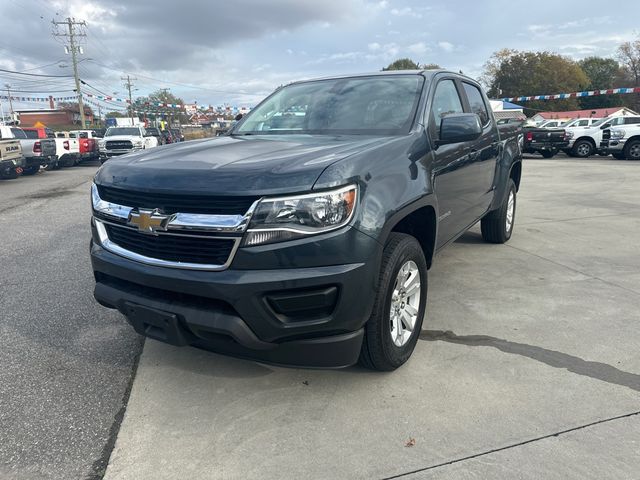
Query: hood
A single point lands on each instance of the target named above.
(118, 138)
(246, 165)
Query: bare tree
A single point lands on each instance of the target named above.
(629, 56)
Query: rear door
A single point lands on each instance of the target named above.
(483, 154)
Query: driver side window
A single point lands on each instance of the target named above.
(445, 102)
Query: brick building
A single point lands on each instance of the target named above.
(53, 117)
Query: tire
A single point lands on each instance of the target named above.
(10, 174)
(495, 225)
(583, 149)
(382, 349)
(619, 156)
(632, 150)
(31, 170)
(548, 153)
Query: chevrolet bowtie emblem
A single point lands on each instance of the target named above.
(148, 221)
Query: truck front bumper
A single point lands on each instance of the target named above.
(608, 147)
(307, 317)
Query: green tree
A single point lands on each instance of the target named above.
(511, 73)
(115, 115)
(163, 95)
(602, 74)
(408, 64)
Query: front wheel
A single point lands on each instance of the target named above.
(582, 149)
(497, 225)
(618, 156)
(632, 150)
(396, 320)
(548, 153)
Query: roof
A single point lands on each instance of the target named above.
(508, 114)
(595, 112)
(425, 73)
(511, 106)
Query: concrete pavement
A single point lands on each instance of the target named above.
(528, 367)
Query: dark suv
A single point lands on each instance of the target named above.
(305, 236)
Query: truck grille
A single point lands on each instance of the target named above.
(118, 145)
(174, 203)
(606, 134)
(173, 248)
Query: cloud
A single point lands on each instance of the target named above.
(446, 46)
(418, 48)
(405, 12)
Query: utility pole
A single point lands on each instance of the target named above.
(74, 49)
(10, 102)
(128, 85)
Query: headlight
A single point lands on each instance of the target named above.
(618, 134)
(137, 143)
(286, 218)
(568, 135)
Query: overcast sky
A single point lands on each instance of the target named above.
(237, 51)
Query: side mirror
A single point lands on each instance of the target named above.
(459, 127)
(238, 117)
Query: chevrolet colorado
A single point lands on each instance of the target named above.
(305, 235)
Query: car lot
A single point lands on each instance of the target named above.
(528, 365)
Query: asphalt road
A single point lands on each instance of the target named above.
(66, 363)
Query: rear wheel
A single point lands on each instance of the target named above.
(583, 149)
(632, 150)
(396, 320)
(497, 225)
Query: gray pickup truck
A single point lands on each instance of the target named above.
(305, 235)
(37, 152)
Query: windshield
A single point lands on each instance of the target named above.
(570, 123)
(122, 131)
(18, 133)
(363, 105)
(600, 122)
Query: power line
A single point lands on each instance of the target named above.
(35, 74)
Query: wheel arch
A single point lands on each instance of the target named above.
(420, 223)
(516, 173)
(589, 139)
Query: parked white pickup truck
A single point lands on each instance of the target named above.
(36, 152)
(67, 149)
(584, 142)
(121, 140)
(11, 159)
(622, 142)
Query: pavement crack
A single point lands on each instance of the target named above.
(593, 277)
(514, 445)
(597, 370)
(562, 220)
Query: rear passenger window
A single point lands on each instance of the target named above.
(445, 102)
(476, 102)
(631, 120)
